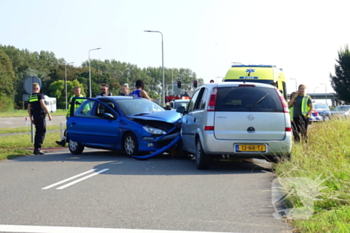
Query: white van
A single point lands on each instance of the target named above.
(50, 103)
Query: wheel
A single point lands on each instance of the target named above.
(130, 144)
(75, 147)
(202, 159)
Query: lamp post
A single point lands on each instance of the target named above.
(296, 84)
(65, 81)
(90, 71)
(172, 82)
(325, 86)
(163, 86)
(315, 92)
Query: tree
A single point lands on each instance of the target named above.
(7, 78)
(341, 81)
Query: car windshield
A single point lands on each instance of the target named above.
(137, 106)
(183, 104)
(321, 106)
(341, 108)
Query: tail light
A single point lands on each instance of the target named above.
(209, 128)
(288, 129)
(283, 101)
(212, 100)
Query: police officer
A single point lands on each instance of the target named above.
(37, 113)
(77, 93)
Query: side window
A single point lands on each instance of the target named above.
(197, 105)
(193, 101)
(85, 109)
(102, 109)
(204, 99)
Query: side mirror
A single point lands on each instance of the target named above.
(108, 116)
(180, 109)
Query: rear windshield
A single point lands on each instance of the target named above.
(248, 99)
(321, 106)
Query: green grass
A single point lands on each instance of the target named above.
(26, 129)
(21, 145)
(325, 159)
(24, 113)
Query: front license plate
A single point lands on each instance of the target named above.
(251, 148)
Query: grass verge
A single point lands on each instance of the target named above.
(325, 160)
(24, 113)
(21, 145)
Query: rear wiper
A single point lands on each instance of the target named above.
(259, 101)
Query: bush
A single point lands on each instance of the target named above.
(6, 103)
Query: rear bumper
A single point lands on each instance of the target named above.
(211, 145)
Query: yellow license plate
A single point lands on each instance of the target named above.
(252, 148)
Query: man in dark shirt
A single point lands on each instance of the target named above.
(37, 112)
(302, 109)
(104, 91)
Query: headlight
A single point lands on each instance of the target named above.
(152, 130)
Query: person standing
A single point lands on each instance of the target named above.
(77, 103)
(125, 90)
(139, 92)
(301, 105)
(104, 91)
(37, 111)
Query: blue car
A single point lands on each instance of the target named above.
(323, 110)
(136, 126)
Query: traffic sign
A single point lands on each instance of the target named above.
(28, 83)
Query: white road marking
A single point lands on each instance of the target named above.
(73, 177)
(48, 229)
(81, 179)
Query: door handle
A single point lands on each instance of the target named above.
(194, 120)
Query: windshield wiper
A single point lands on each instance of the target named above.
(141, 114)
(259, 101)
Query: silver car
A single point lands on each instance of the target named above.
(244, 120)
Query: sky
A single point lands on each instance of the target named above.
(301, 37)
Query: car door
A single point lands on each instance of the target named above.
(193, 120)
(92, 127)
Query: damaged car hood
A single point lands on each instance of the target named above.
(166, 116)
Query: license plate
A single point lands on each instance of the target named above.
(251, 148)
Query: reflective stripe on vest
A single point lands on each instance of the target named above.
(304, 106)
(33, 98)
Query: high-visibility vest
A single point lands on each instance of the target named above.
(291, 113)
(76, 105)
(304, 106)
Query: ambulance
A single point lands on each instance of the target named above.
(268, 74)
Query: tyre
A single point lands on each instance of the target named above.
(75, 147)
(202, 159)
(130, 144)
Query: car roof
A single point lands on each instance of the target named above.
(236, 84)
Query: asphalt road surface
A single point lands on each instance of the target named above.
(12, 122)
(100, 191)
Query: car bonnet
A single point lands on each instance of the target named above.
(165, 116)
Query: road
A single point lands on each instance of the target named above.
(59, 189)
(12, 122)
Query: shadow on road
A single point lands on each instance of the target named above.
(161, 165)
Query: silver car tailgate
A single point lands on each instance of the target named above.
(249, 126)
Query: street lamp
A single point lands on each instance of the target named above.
(296, 84)
(325, 86)
(65, 81)
(90, 71)
(163, 87)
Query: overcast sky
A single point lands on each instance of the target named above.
(206, 36)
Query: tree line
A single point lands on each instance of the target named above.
(17, 64)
